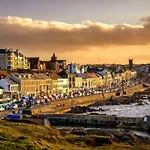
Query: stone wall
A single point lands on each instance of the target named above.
(60, 105)
(93, 120)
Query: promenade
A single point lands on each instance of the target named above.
(61, 106)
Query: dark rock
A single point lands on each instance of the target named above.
(79, 131)
(140, 104)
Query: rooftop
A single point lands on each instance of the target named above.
(10, 81)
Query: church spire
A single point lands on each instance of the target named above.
(53, 55)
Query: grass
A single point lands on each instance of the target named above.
(23, 136)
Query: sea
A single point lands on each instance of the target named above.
(130, 110)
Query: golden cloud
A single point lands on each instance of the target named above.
(38, 35)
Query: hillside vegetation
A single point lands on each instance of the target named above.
(23, 136)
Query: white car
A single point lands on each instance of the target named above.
(2, 109)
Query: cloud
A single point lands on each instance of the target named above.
(37, 35)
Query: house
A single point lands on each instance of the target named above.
(34, 62)
(86, 80)
(9, 86)
(95, 80)
(63, 85)
(47, 65)
(40, 83)
(26, 81)
(106, 76)
(70, 77)
(48, 79)
(62, 64)
(54, 77)
(78, 82)
(74, 68)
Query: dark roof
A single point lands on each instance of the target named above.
(10, 81)
(33, 62)
(64, 74)
(3, 51)
(1, 87)
(60, 61)
(47, 63)
(33, 59)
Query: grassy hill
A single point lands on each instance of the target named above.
(23, 136)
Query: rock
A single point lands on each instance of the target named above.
(79, 131)
(140, 104)
(100, 109)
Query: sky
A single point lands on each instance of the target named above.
(81, 31)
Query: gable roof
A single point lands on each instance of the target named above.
(10, 81)
(64, 74)
(61, 61)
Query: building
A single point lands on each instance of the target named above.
(9, 86)
(40, 83)
(34, 62)
(12, 60)
(54, 63)
(86, 80)
(62, 64)
(74, 68)
(78, 82)
(106, 77)
(131, 63)
(96, 82)
(26, 81)
(54, 76)
(70, 77)
(47, 65)
(43, 83)
(63, 85)
(1, 91)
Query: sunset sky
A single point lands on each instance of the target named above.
(82, 31)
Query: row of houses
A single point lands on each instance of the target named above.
(11, 59)
(62, 82)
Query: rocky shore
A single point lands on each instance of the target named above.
(99, 137)
(138, 98)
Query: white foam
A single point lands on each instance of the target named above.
(132, 110)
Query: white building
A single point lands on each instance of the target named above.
(1, 90)
(12, 59)
(63, 85)
(9, 85)
(62, 64)
(74, 68)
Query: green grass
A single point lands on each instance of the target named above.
(21, 136)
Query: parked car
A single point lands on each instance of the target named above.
(13, 106)
(13, 117)
(2, 108)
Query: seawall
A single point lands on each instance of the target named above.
(63, 105)
(92, 120)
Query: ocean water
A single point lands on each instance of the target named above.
(131, 110)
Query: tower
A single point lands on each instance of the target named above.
(54, 63)
(131, 63)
